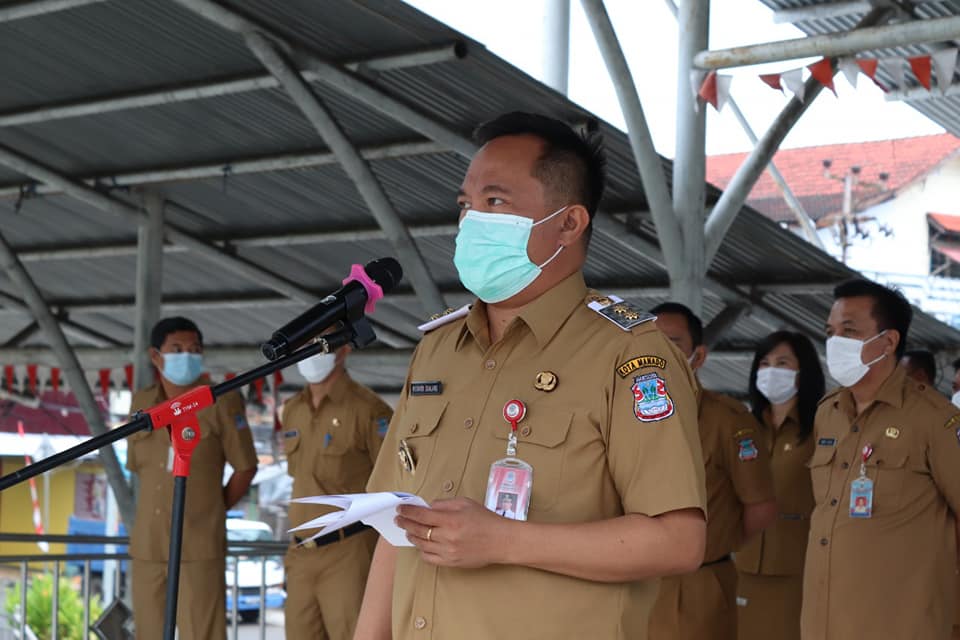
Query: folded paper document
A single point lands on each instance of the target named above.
(375, 509)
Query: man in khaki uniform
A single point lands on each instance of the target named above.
(921, 365)
(609, 426)
(740, 501)
(332, 431)
(176, 352)
(881, 565)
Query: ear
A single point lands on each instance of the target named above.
(156, 358)
(699, 357)
(893, 341)
(576, 219)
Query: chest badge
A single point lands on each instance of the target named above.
(892, 432)
(406, 457)
(545, 381)
(788, 447)
(335, 422)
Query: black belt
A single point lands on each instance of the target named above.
(725, 558)
(330, 538)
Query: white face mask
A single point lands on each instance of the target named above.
(845, 359)
(956, 399)
(777, 385)
(317, 368)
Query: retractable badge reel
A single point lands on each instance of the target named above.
(861, 489)
(511, 479)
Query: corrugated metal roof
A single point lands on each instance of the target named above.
(120, 47)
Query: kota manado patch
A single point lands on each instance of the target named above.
(640, 362)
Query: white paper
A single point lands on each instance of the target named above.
(375, 509)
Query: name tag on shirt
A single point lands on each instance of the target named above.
(827, 442)
(431, 388)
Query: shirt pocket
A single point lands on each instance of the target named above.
(540, 443)
(334, 463)
(890, 472)
(820, 467)
(418, 434)
(291, 447)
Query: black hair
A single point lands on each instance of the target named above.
(923, 359)
(166, 326)
(891, 309)
(956, 364)
(572, 167)
(810, 382)
(694, 324)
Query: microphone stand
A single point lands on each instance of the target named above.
(178, 416)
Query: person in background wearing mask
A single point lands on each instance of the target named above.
(177, 353)
(920, 365)
(543, 375)
(332, 432)
(740, 501)
(892, 442)
(786, 383)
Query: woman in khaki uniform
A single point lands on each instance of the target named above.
(786, 383)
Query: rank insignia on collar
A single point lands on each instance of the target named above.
(623, 314)
(545, 381)
(445, 317)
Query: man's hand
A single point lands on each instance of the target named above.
(457, 533)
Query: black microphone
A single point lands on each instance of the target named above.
(358, 295)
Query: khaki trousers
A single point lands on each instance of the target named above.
(769, 606)
(325, 587)
(201, 604)
(697, 606)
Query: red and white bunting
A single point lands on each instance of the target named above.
(850, 69)
(945, 64)
(715, 89)
(822, 72)
(922, 68)
(793, 81)
(772, 80)
(893, 67)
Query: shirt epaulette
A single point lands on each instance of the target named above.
(623, 314)
(444, 317)
(829, 395)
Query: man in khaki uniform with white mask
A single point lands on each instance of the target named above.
(332, 431)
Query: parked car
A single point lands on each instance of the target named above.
(251, 570)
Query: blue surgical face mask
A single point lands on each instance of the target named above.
(182, 368)
(491, 255)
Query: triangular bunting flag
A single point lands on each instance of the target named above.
(793, 80)
(921, 68)
(772, 80)
(128, 372)
(8, 377)
(945, 63)
(723, 90)
(894, 68)
(32, 379)
(105, 382)
(822, 72)
(55, 379)
(708, 90)
(696, 81)
(277, 379)
(850, 69)
(258, 389)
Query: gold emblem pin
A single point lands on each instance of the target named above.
(788, 447)
(406, 457)
(892, 432)
(545, 381)
(335, 422)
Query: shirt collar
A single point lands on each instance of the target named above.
(543, 316)
(891, 392)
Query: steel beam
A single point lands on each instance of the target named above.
(222, 258)
(822, 11)
(34, 8)
(69, 327)
(689, 166)
(234, 167)
(149, 290)
(556, 44)
(833, 45)
(803, 220)
(743, 181)
(723, 322)
(349, 83)
(212, 88)
(355, 167)
(645, 155)
(22, 336)
(72, 372)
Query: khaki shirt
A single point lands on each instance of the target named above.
(224, 437)
(593, 459)
(737, 469)
(891, 575)
(780, 549)
(331, 449)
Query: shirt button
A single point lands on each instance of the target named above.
(414, 427)
(844, 465)
(420, 623)
(448, 486)
(823, 542)
(525, 431)
(855, 429)
(833, 502)
(490, 364)
(468, 423)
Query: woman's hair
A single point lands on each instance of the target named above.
(810, 382)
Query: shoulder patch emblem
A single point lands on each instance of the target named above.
(382, 425)
(748, 450)
(445, 317)
(241, 422)
(640, 362)
(623, 314)
(651, 400)
(952, 422)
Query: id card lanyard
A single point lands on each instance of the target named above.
(861, 489)
(510, 482)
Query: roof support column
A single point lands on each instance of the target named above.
(556, 50)
(71, 372)
(354, 165)
(149, 286)
(645, 155)
(735, 195)
(689, 167)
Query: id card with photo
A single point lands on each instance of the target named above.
(508, 488)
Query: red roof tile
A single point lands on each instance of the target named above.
(58, 414)
(946, 221)
(904, 160)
